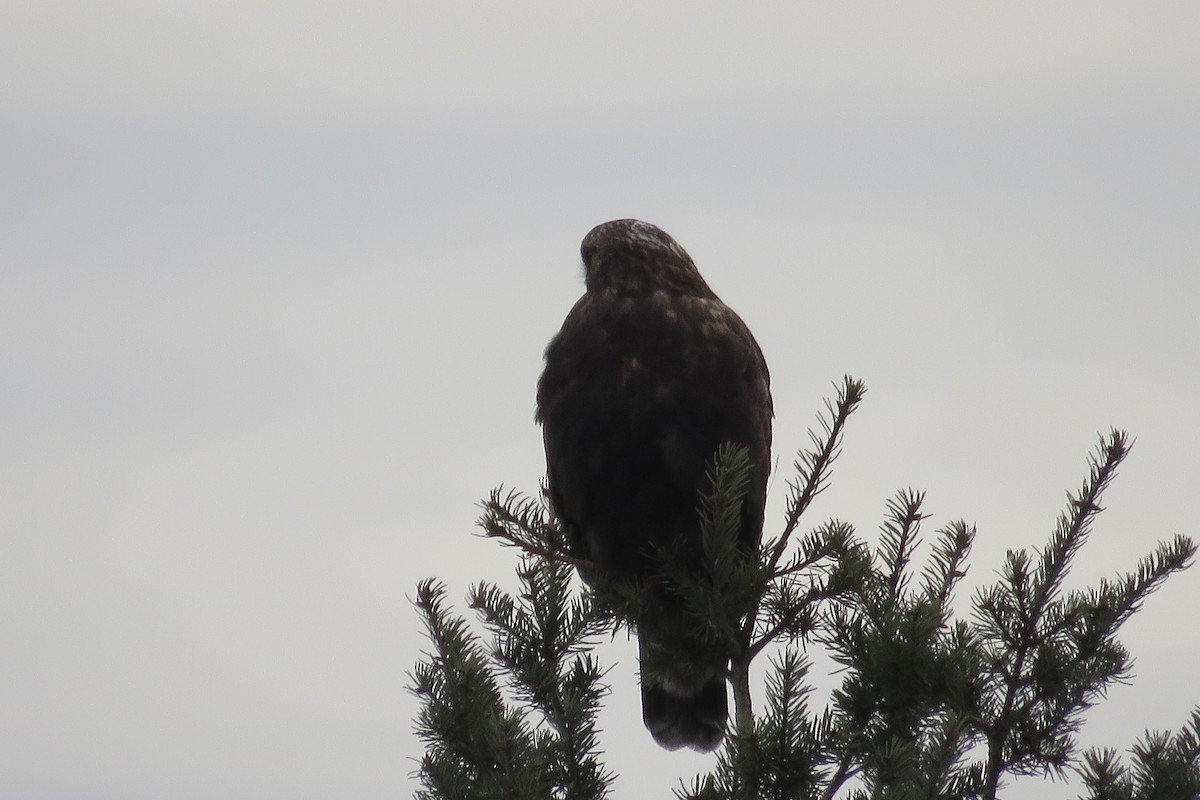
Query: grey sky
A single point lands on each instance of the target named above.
(275, 280)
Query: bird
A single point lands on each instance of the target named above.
(650, 374)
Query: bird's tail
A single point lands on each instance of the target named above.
(684, 703)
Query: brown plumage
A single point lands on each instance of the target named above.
(649, 376)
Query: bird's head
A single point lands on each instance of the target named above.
(631, 257)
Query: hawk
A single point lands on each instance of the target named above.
(649, 376)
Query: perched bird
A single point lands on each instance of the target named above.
(649, 376)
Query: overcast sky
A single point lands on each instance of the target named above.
(276, 278)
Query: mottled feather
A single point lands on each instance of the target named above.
(649, 376)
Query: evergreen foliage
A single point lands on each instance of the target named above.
(930, 705)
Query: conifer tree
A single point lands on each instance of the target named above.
(932, 703)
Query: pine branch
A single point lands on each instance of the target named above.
(813, 465)
(945, 566)
(903, 706)
(1075, 523)
(521, 522)
(1165, 767)
(478, 743)
(778, 755)
(1048, 657)
(830, 561)
(899, 537)
(477, 747)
